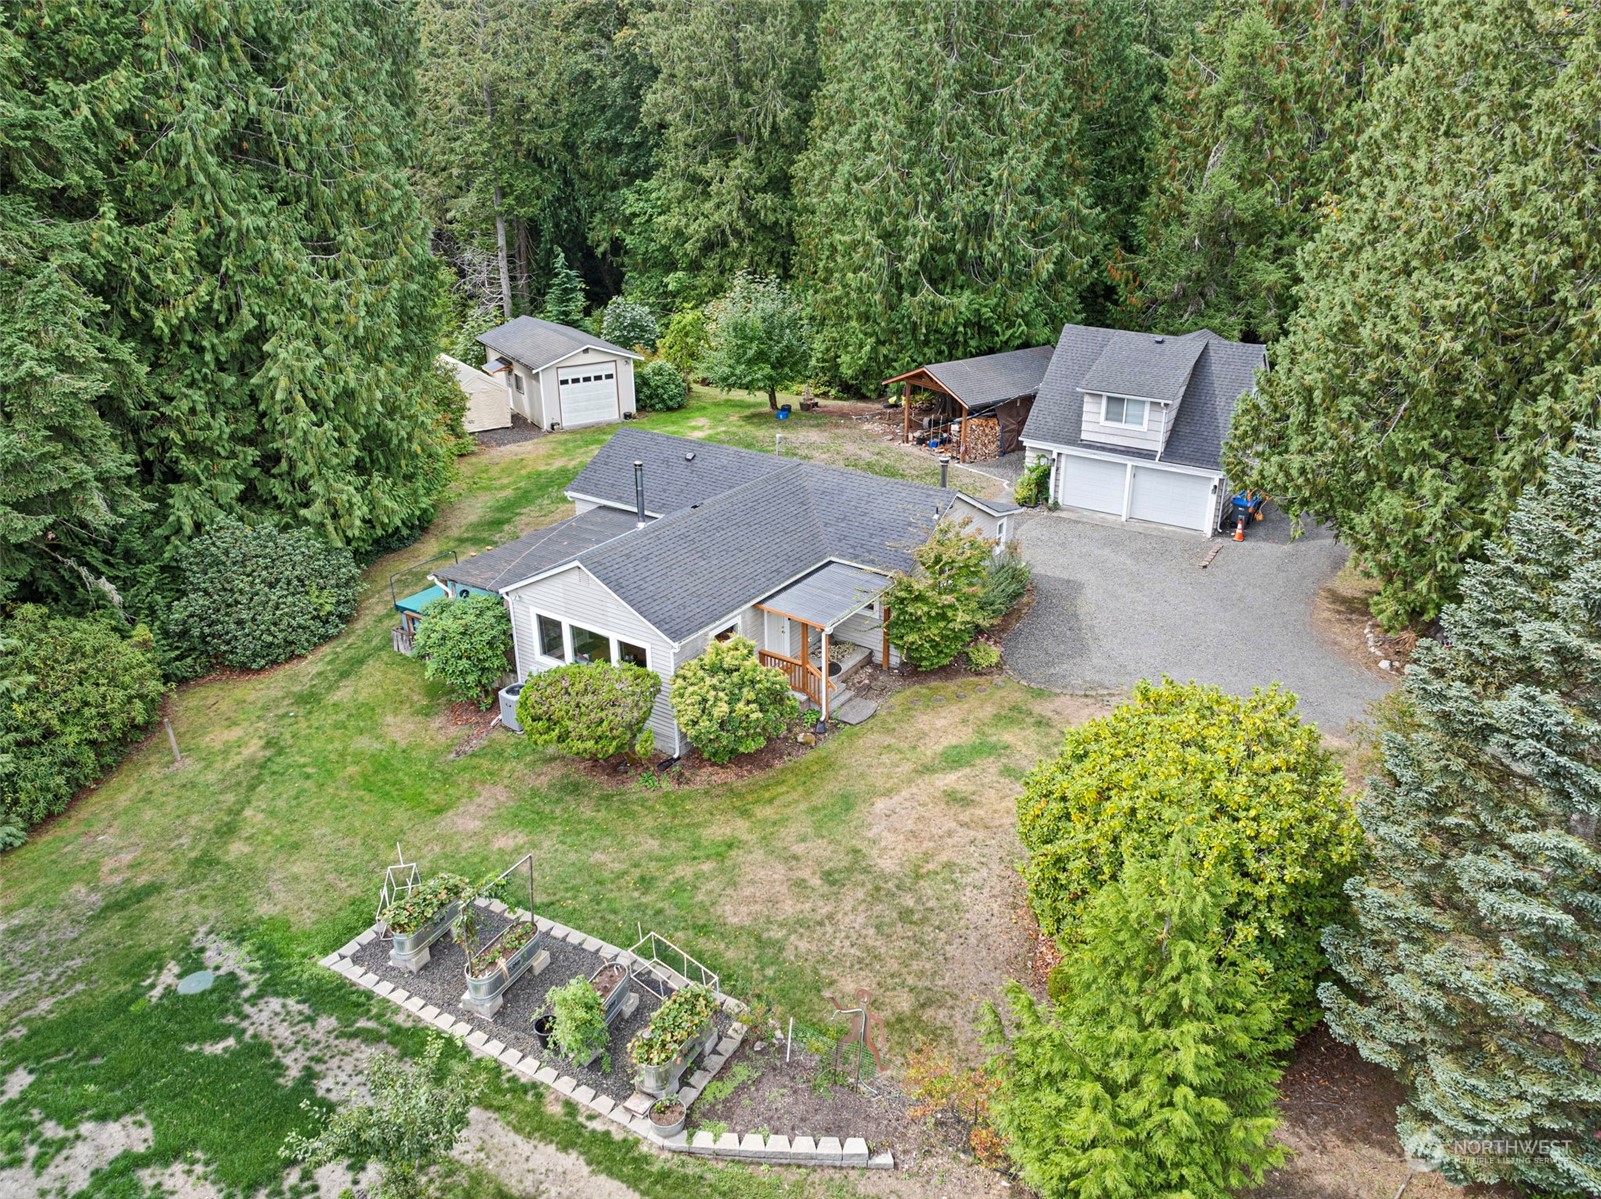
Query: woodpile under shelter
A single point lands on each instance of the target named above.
(973, 408)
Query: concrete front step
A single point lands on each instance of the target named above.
(853, 711)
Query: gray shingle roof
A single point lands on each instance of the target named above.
(673, 480)
(1220, 372)
(536, 343)
(828, 594)
(1143, 365)
(994, 378)
(539, 550)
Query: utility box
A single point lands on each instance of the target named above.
(508, 706)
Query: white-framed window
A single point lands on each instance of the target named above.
(1123, 412)
(516, 379)
(563, 641)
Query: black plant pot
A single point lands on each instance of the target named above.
(543, 1026)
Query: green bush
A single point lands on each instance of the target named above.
(1034, 485)
(73, 693)
(465, 643)
(250, 598)
(627, 324)
(578, 1024)
(1006, 580)
(728, 703)
(658, 387)
(1157, 1072)
(934, 612)
(683, 342)
(981, 655)
(589, 709)
(1262, 801)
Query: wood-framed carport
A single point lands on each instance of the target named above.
(922, 377)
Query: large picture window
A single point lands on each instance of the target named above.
(550, 638)
(1126, 413)
(590, 646)
(587, 645)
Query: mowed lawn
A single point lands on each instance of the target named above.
(883, 859)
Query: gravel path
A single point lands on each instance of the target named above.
(1115, 603)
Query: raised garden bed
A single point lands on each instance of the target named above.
(502, 960)
(683, 1028)
(416, 921)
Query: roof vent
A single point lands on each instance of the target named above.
(689, 457)
(1160, 340)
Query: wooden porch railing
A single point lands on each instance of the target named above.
(803, 676)
(401, 636)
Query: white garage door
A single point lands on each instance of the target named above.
(1170, 498)
(1091, 483)
(588, 394)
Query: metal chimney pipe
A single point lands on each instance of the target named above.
(944, 470)
(639, 490)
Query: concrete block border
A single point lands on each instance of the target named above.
(773, 1150)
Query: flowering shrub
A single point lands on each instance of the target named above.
(1261, 801)
(728, 703)
(684, 1013)
(417, 910)
(589, 709)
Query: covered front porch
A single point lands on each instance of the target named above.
(822, 628)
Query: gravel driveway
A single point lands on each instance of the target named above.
(1115, 603)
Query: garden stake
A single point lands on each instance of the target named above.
(172, 740)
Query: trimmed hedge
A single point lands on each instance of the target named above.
(728, 703)
(250, 598)
(658, 387)
(466, 643)
(74, 692)
(588, 709)
(1261, 801)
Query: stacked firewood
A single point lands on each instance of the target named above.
(983, 438)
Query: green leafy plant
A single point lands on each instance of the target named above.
(757, 340)
(1034, 484)
(720, 1088)
(668, 1104)
(982, 655)
(588, 709)
(250, 598)
(1261, 799)
(628, 324)
(579, 1022)
(728, 703)
(934, 611)
(74, 692)
(1157, 1071)
(658, 387)
(683, 1014)
(1006, 580)
(418, 1110)
(466, 643)
(502, 948)
(416, 911)
(683, 341)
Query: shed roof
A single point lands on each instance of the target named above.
(828, 595)
(417, 602)
(1220, 372)
(990, 379)
(536, 343)
(539, 550)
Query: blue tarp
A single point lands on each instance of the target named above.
(416, 603)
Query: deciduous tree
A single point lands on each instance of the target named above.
(756, 339)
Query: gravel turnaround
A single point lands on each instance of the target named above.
(441, 984)
(1115, 603)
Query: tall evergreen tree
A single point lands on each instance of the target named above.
(1258, 125)
(732, 98)
(1474, 971)
(564, 294)
(1157, 1072)
(944, 200)
(1446, 337)
(259, 251)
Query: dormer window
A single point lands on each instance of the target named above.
(1123, 412)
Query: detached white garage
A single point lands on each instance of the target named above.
(1186, 499)
(559, 377)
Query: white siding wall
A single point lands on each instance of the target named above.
(576, 596)
(983, 522)
(625, 381)
(525, 401)
(1159, 418)
(866, 628)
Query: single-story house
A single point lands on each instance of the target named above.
(487, 406)
(677, 542)
(559, 377)
(1134, 423)
(998, 387)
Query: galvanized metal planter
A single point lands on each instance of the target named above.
(409, 951)
(659, 1080)
(485, 993)
(670, 1128)
(621, 988)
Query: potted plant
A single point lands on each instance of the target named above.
(682, 1029)
(578, 1031)
(492, 968)
(416, 921)
(544, 1025)
(667, 1115)
(613, 982)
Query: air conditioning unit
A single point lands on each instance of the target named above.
(508, 707)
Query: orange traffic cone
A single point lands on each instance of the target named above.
(1239, 529)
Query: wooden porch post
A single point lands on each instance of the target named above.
(906, 413)
(884, 624)
(961, 440)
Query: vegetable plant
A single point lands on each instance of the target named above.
(684, 1013)
(502, 949)
(579, 1030)
(417, 910)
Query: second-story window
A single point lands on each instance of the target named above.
(1126, 413)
